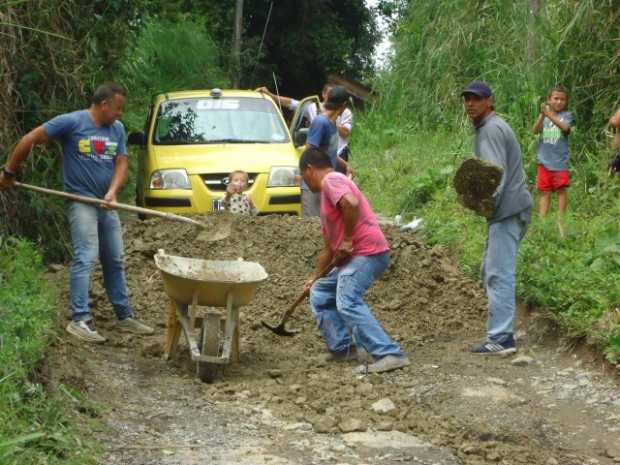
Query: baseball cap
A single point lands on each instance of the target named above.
(479, 88)
(336, 97)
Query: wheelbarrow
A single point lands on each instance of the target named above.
(191, 283)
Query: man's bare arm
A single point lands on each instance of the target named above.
(119, 178)
(343, 131)
(350, 208)
(24, 147)
(20, 153)
(284, 101)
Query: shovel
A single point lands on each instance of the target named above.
(113, 205)
(279, 329)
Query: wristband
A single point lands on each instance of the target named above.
(8, 173)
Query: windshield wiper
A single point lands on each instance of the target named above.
(237, 141)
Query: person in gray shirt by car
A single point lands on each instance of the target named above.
(495, 143)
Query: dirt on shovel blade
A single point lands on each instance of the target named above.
(475, 183)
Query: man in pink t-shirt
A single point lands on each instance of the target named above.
(360, 253)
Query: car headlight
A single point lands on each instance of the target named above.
(170, 179)
(283, 176)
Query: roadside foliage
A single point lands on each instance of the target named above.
(419, 133)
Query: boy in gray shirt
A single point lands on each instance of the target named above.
(495, 143)
(554, 125)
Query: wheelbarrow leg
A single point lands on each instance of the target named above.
(173, 331)
(235, 356)
(209, 345)
(231, 333)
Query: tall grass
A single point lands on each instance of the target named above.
(408, 145)
(35, 427)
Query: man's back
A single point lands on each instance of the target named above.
(496, 143)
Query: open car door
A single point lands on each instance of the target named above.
(304, 114)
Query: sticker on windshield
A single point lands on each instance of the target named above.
(217, 104)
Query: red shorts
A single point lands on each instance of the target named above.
(551, 181)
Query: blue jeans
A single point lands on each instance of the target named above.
(341, 313)
(498, 274)
(97, 232)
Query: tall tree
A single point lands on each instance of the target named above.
(305, 40)
(236, 48)
(532, 30)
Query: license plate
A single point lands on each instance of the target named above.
(217, 205)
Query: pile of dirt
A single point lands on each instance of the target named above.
(422, 297)
(422, 300)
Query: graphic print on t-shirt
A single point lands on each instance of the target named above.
(551, 133)
(97, 147)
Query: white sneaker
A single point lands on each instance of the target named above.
(131, 325)
(85, 331)
(387, 363)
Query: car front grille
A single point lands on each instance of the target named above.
(219, 181)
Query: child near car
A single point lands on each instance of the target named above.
(554, 124)
(235, 201)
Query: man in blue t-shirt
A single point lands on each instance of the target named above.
(323, 135)
(94, 165)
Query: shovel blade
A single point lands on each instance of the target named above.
(280, 330)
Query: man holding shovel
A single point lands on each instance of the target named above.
(94, 165)
(356, 246)
(507, 219)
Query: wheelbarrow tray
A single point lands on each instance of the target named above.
(209, 282)
(191, 282)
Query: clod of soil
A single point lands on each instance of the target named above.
(475, 183)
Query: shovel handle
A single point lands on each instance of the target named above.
(305, 294)
(113, 205)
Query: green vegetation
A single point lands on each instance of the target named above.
(408, 146)
(34, 424)
(53, 55)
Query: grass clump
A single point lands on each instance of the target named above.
(35, 426)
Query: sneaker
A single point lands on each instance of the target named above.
(131, 325)
(387, 363)
(85, 330)
(342, 356)
(496, 348)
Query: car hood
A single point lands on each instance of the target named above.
(224, 158)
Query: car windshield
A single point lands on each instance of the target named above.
(218, 120)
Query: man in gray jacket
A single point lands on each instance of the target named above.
(495, 143)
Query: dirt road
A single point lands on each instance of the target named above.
(284, 405)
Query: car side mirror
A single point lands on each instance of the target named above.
(300, 137)
(136, 138)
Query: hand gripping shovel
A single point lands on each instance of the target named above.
(279, 329)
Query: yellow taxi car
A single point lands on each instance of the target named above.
(192, 140)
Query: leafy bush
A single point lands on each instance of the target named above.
(34, 427)
(418, 128)
(166, 56)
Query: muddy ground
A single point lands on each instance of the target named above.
(283, 404)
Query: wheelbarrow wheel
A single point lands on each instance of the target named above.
(209, 345)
